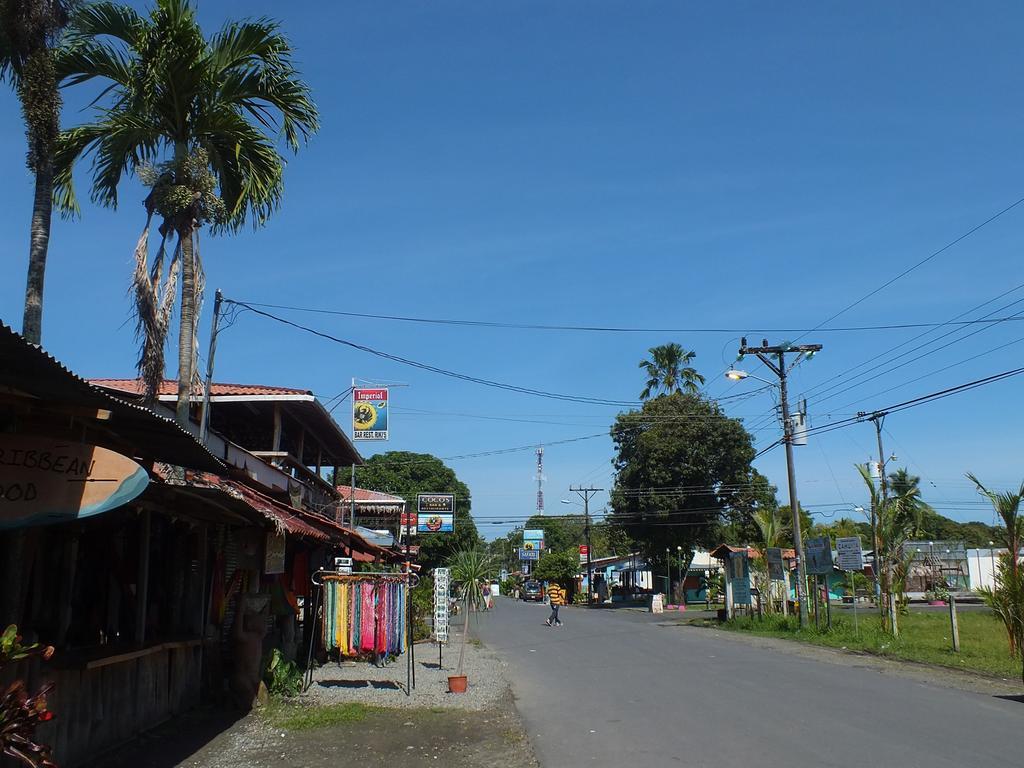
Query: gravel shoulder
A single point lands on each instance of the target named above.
(386, 686)
(478, 729)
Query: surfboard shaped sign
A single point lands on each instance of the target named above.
(45, 481)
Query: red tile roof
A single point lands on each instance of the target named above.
(362, 494)
(170, 387)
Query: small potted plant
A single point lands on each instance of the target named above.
(937, 595)
(470, 569)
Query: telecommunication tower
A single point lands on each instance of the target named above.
(540, 479)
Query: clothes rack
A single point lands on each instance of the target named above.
(364, 612)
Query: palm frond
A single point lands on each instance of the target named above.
(107, 19)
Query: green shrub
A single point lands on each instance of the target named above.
(283, 677)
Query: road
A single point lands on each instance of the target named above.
(614, 688)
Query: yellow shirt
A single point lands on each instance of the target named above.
(556, 595)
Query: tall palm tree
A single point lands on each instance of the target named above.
(199, 118)
(29, 30)
(668, 371)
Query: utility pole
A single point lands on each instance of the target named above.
(878, 419)
(585, 494)
(778, 367)
(204, 418)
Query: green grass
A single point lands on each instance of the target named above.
(301, 717)
(924, 637)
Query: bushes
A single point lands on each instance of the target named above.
(283, 677)
(422, 596)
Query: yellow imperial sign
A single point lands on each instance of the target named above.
(370, 414)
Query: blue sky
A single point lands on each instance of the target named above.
(613, 163)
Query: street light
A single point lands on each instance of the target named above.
(735, 374)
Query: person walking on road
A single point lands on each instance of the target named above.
(556, 596)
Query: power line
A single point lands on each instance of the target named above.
(920, 263)
(943, 393)
(591, 328)
(434, 368)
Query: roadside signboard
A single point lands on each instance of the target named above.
(45, 481)
(739, 576)
(273, 553)
(849, 553)
(819, 555)
(584, 553)
(436, 512)
(534, 537)
(529, 554)
(442, 583)
(343, 564)
(776, 568)
(407, 521)
(370, 414)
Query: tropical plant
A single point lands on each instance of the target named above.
(283, 677)
(1006, 600)
(198, 118)
(22, 712)
(771, 526)
(29, 32)
(668, 371)
(1007, 506)
(470, 568)
(1007, 597)
(898, 517)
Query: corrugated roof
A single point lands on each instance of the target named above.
(364, 494)
(169, 388)
(28, 369)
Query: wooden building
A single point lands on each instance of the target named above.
(146, 601)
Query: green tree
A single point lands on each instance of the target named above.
(173, 99)
(669, 372)
(898, 519)
(680, 463)
(29, 31)
(406, 474)
(560, 567)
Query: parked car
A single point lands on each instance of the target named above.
(533, 592)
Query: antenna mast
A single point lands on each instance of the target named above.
(540, 479)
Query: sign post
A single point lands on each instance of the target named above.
(442, 584)
(739, 578)
(851, 558)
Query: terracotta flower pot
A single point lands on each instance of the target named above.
(457, 684)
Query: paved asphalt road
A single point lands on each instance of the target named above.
(612, 688)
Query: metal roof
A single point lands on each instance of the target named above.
(368, 496)
(30, 373)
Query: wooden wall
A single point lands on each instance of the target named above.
(103, 703)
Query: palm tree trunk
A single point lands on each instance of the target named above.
(186, 331)
(42, 206)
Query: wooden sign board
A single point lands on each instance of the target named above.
(46, 481)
